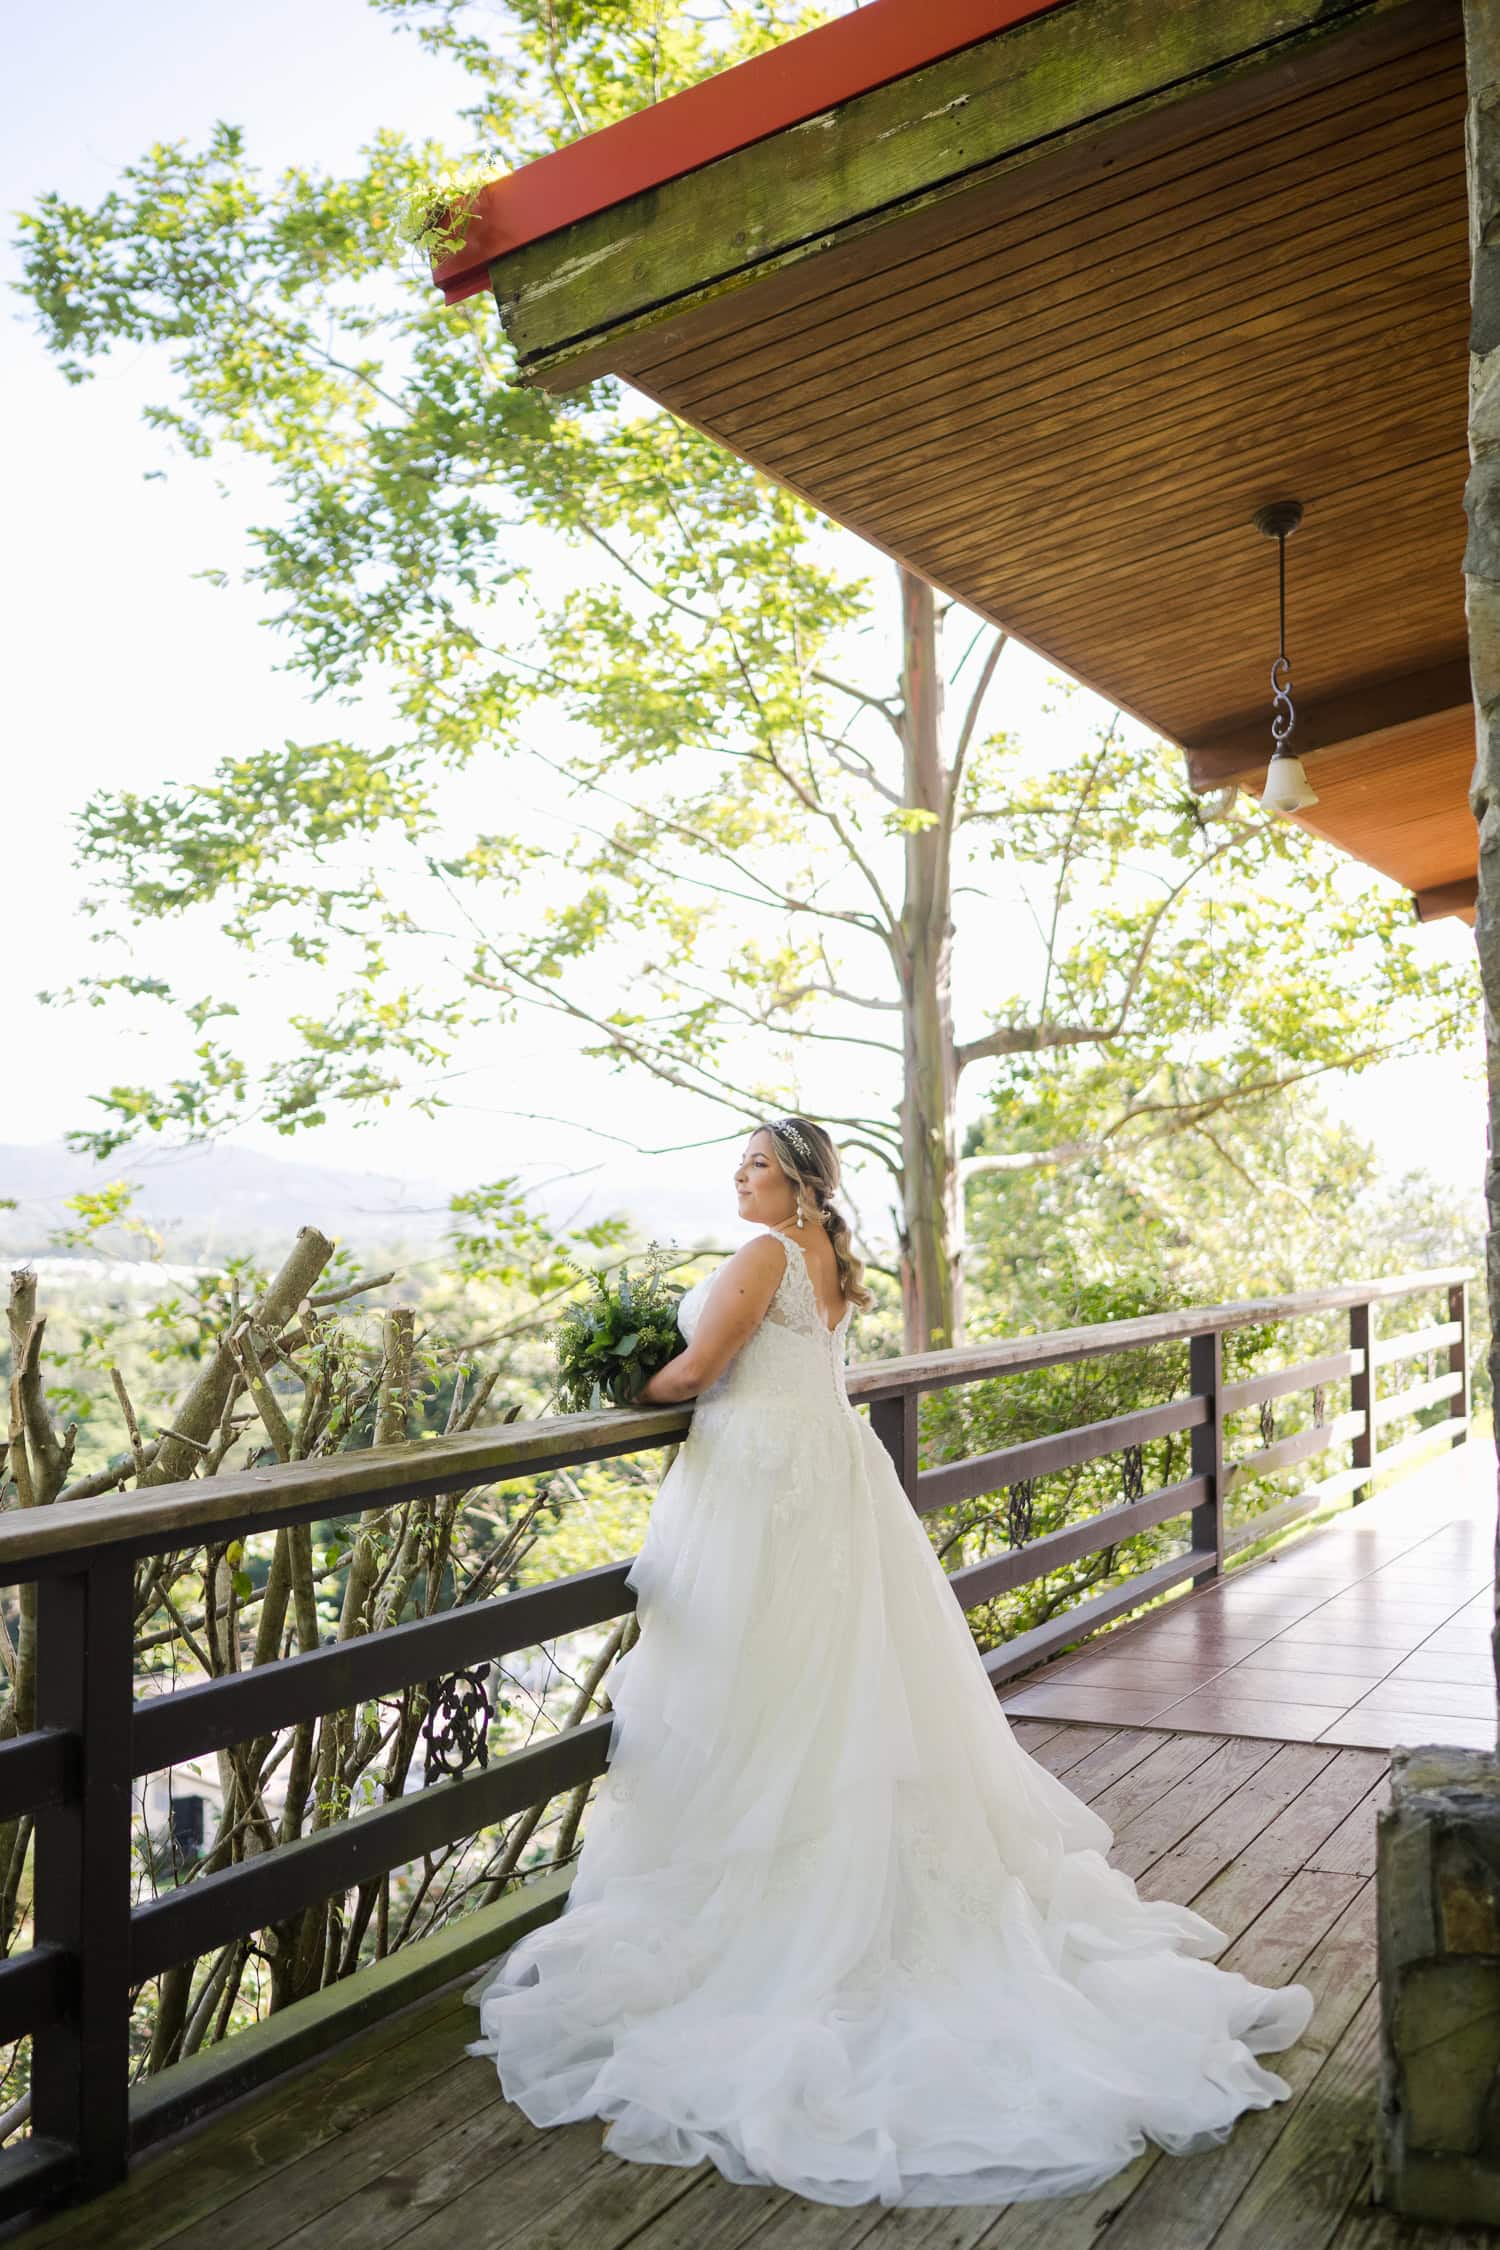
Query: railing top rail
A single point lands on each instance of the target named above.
(166, 1515)
(1010, 1355)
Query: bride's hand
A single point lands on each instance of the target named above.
(650, 1394)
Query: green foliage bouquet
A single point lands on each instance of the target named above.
(611, 1341)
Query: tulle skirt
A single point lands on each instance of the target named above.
(831, 1927)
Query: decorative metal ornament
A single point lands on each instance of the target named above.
(1135, 1472)
(1287, 789)
(1267, 1422)
(1019, 1498)
(1320, 1407)
(456, 1729)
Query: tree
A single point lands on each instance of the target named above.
(763, 816)
(1274, 1197)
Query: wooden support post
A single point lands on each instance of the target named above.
(1206, 1380)
(1362, 1449)
(1458, 1358)
(894, 1421)
(80, 2065)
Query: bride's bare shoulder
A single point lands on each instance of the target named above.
(758, 1263)
(745, 1284)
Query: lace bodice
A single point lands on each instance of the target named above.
(793, 1356)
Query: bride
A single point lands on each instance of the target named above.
(831, 1927)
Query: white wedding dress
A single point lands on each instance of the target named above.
(831, 1927)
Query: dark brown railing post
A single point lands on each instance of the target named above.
(1458, 1357)
(1205, 1380)
(1363, 1448)
(80, 2065)
(894, 1421)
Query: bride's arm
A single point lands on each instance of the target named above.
(733, 1309)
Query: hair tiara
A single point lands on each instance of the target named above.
(789, 1131)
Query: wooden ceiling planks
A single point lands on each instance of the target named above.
(1036, 207)
(1070, 419)
(1061, 386)
(1391, 803)
(1015, 277)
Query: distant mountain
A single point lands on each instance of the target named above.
(206, 1201)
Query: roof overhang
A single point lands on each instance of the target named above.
(1048, 314)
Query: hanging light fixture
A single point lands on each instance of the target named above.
(1287, 789)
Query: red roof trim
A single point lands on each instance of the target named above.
(802, 77)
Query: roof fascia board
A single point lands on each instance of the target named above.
(730, 110)
(566, 300)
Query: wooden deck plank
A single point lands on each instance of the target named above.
(1298, 2197)
(715, 2211)
(711, 2214)
(1136, 2206)
(1184, 1874)
(1230, 1798)
(473, 2193)
(1239, 1816)
(1352, 1844)
(1038, 1732)
(1319, 1810)
(174, 2189)
(1173, 1756)
(1187, 2200)
(1193, 1780)
(1096, 1756)
(561, 2190)
(392, 2156)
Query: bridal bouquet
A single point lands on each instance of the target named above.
(611, 1342)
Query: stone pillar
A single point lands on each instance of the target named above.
(1437, 2140)
(1437, 2132)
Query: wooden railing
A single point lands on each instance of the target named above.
(72, 1991)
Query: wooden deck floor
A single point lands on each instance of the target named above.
(1223, 1790)
(1371, 1631)
(400, 2138)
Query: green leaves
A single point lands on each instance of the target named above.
(415, 490)
(612, 1340)
(103, 1217)
(1215, 962)
(497, 1235)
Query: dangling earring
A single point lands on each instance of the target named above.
(799, 1207)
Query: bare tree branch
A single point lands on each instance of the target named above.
(890, 712)
(993, 655)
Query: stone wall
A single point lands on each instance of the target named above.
(1437, 2144)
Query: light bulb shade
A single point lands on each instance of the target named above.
(1287, 789)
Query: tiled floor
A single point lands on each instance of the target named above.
(1372, 1631)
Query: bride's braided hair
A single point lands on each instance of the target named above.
(810, 1161)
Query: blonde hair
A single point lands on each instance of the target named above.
(814, 1168)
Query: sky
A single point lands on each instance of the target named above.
(125, 669)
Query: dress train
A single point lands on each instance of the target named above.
(831, 1928)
